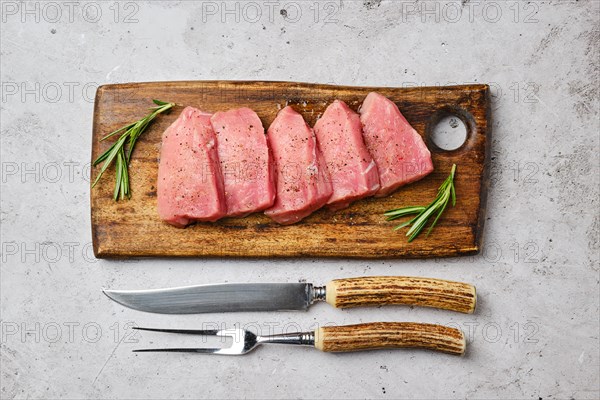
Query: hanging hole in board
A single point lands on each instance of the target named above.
(449, 132)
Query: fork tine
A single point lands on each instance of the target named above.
(217, 350)
(211, 332)
(180, 350)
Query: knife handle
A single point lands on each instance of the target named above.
(380, 335)
(388, 290)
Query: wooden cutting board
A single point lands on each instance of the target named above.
(131, 228)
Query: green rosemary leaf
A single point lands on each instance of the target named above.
(104, 156)
(120, 151)
(124, 180)
(445, 194)
(405, 224)
(401, 212)
(111, 153)
(437, 217)
(118, 182)
(126, 127)
(420, 222)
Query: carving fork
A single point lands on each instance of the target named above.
(368, 336)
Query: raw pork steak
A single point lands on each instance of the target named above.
(190, 185)
(398, 150)
(245, 161)
(303, 184)
(352, 169)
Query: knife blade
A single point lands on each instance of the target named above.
(225, 297)
(340, 293)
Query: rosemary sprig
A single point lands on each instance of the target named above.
(120, 156)
(445, 193)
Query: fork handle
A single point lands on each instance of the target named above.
(379, 335)
(388, 290)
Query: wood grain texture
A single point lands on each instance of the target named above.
(381, 335)
(132, 228)
(388, 290)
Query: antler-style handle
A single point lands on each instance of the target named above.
(378, 335)
(387, 290)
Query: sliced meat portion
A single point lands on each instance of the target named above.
(398, 150)
(351, 168)
(190, 185)
(244, 157)
(303, 184)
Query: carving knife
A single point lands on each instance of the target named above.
(340, 293)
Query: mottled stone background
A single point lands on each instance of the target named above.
(535, 333)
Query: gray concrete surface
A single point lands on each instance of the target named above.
(535, 333)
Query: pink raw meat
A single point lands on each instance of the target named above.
(303, 184)
(398, 150)
(352, 169)
(190, 185)
(245, 161)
